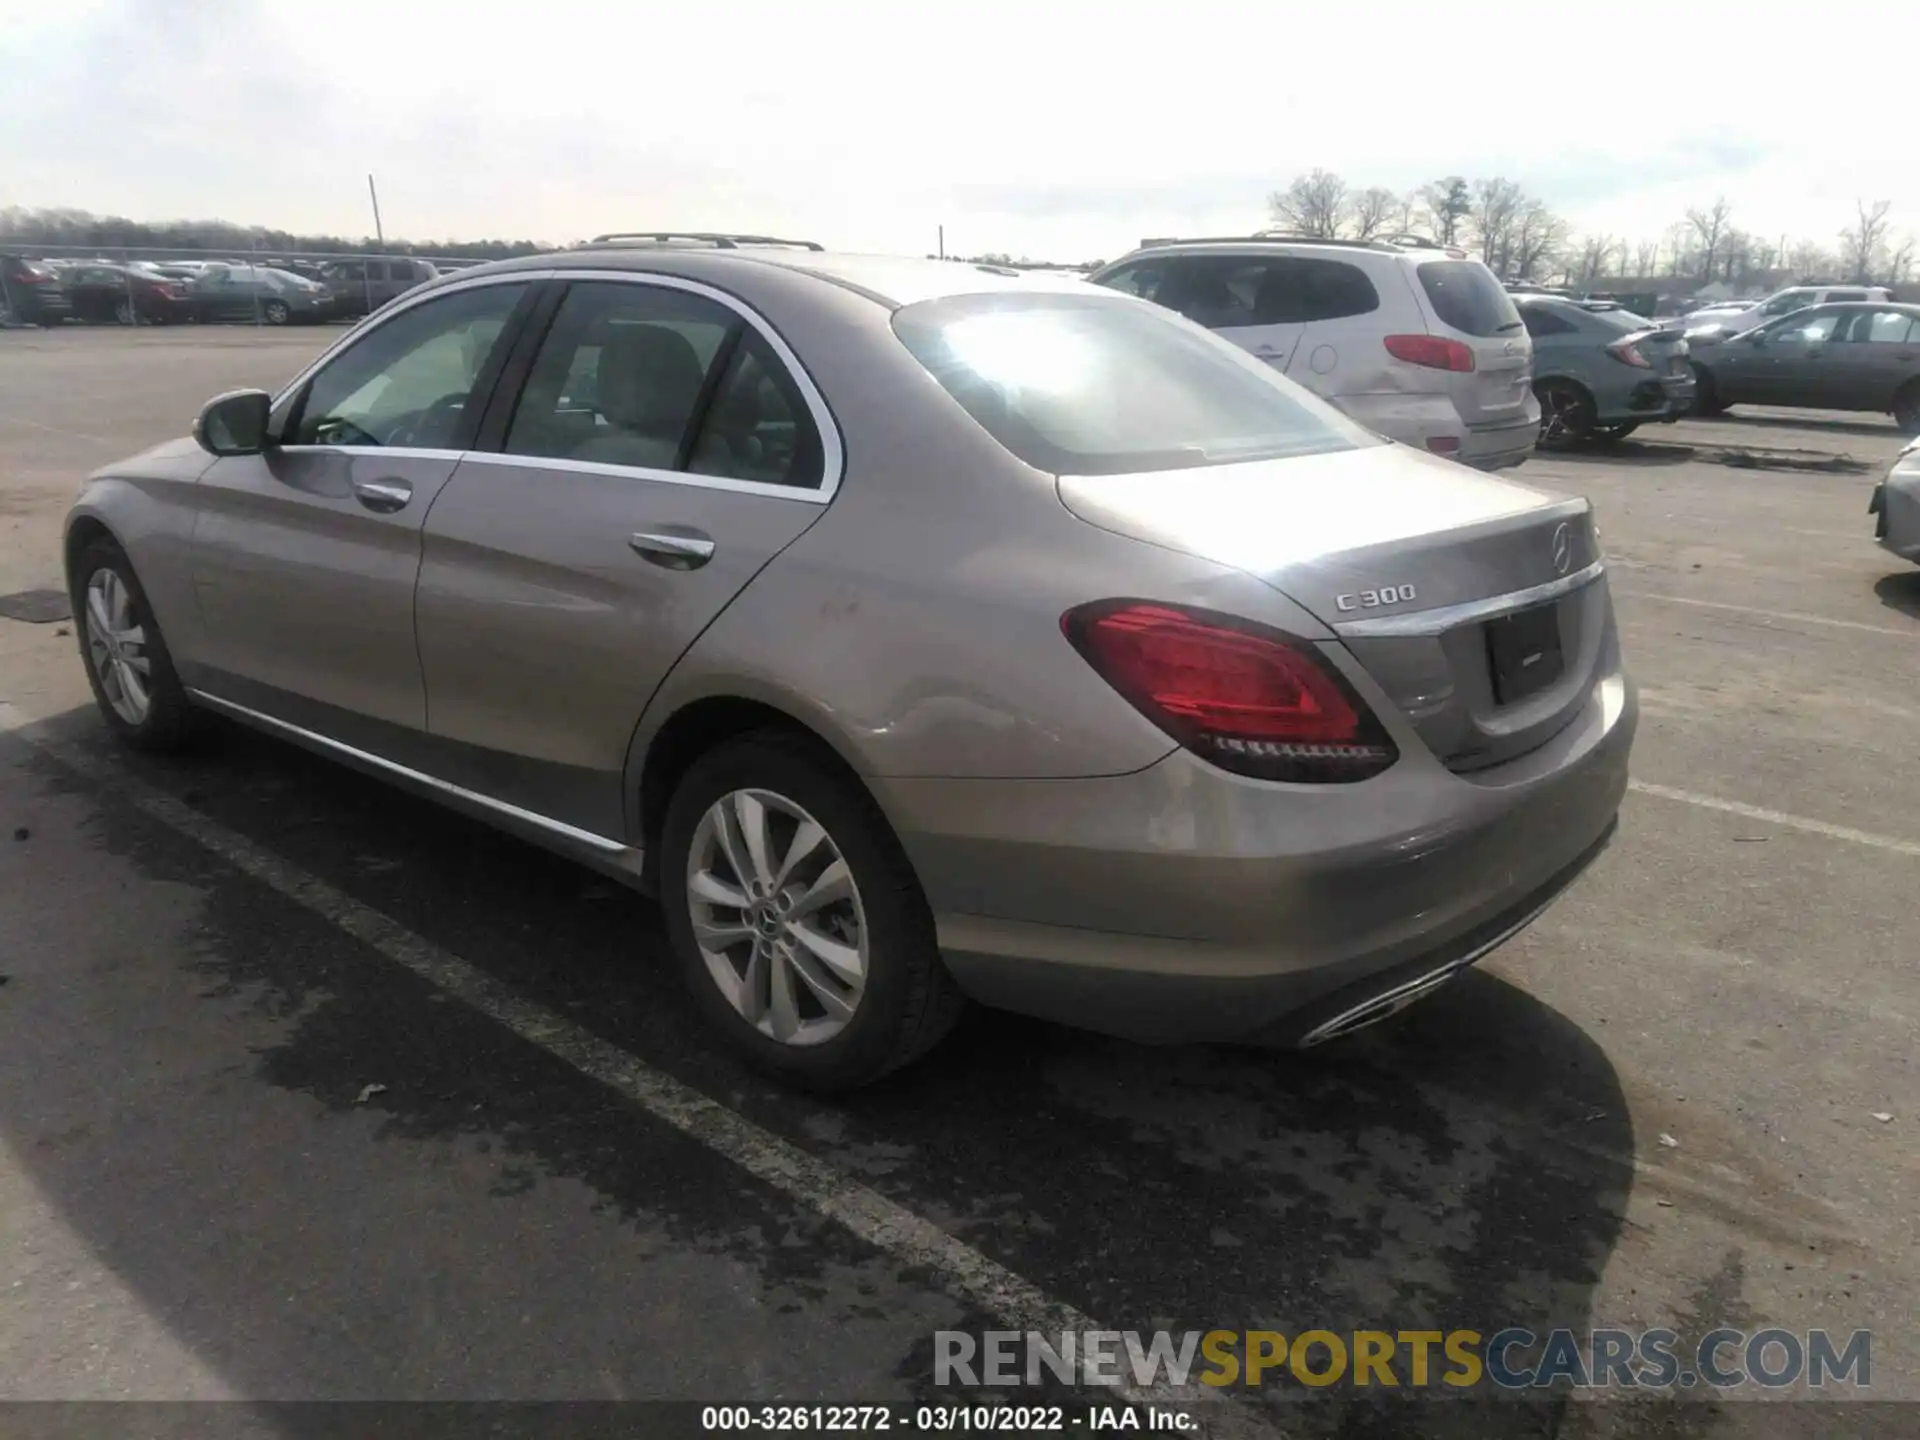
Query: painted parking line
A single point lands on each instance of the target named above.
(1793, 616)
(1778, 817)
(888, 1226)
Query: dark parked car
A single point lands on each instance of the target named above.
(1600, 370)
(259, 293)
(30, 292)
(125, 294)
(362, 286)
(1858, 356)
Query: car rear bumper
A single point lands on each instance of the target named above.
(1431, 423)
(1896, 508)
(1183, 903)
(1651, 401)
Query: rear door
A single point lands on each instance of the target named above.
(1872, 355)
(1225, 294)
(1464, 302)
(654, 452)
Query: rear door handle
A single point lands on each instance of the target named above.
(383, 497)
(675, 551)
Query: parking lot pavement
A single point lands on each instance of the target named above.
(315, 1090)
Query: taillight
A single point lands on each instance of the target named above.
(1628, 353)
(1436, 352)
(1248, 699)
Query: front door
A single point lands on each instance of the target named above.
(305, 557)
(663, 449)
(1243, 298)
(1796, 365)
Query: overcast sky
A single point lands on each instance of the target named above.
(1059, 130)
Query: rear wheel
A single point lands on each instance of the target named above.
(1566, 414)
(127, 660)
(1706, 399)
(798, 925)
(123, 313)
(1906, 409)
(275, 312)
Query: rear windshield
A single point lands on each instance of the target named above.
(1098, 385)
(1465, 295)
(1622, 319)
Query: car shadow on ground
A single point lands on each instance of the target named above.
(1881, 428)
(1630, 451)
(1466, 1166)
(1900, 592)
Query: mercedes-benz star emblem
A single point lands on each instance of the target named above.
(1562, 548)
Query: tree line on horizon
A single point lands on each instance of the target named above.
(1521, 237)
(81, 229)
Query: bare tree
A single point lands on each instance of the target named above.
(1449, 203)
(1900, 259)
(1594, 258)
(1709, 228)
(1807, 262)
(1862, 242)
(1646, 257)
(1314, 204)
(1496, 206)
(1409, 213)
(1538, 234)
(1370, 212)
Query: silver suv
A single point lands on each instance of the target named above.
(1417, 342)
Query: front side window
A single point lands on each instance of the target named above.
(1217, 291)
(1080, 385)
(409, 381)
(1787, 303)
(656, 378)
(1142, 280)
(1807, 329)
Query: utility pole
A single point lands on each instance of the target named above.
(378, 233)
(943, 242)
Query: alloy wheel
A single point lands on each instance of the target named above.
(777, 917)
(1558, 409)
(117, 645)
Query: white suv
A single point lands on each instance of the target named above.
(1733, 316)
(1419, 343)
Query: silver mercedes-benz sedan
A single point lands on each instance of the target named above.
(913, 630)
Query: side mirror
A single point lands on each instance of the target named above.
(234, 423)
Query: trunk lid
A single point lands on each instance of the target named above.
(1416, 563)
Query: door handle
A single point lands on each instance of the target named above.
(675, 552)
(383, 497)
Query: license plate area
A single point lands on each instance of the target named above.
(1524, 655)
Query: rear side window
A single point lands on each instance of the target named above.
(1298, 290)
(1079, 386)
(1846, 295)
(1467, 298)
(1623, 320)
(1541, 321)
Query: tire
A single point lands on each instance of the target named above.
(123, 313)
(1706, 399)
(1613, 434)
(904, 1002)
(1566, 414)
(275, 312)
(168, 720)
(1906, 408)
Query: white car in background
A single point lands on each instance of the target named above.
(1419, 343)
(1896, 504)
(1731, 317)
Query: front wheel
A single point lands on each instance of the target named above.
(275, 312)
(123, 313)
(1613, 434)
(128, 664)
(797, 923)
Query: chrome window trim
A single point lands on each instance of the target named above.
(1435, 622)
(391, 452)
(444, 787)
(832, 447)
(392, 311)
(640, 472)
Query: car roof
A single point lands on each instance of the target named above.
(890, 280)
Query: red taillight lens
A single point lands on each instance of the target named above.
(1436, 352)
(1248, 699)
(1628, 353)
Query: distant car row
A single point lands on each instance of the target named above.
(48, 292)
